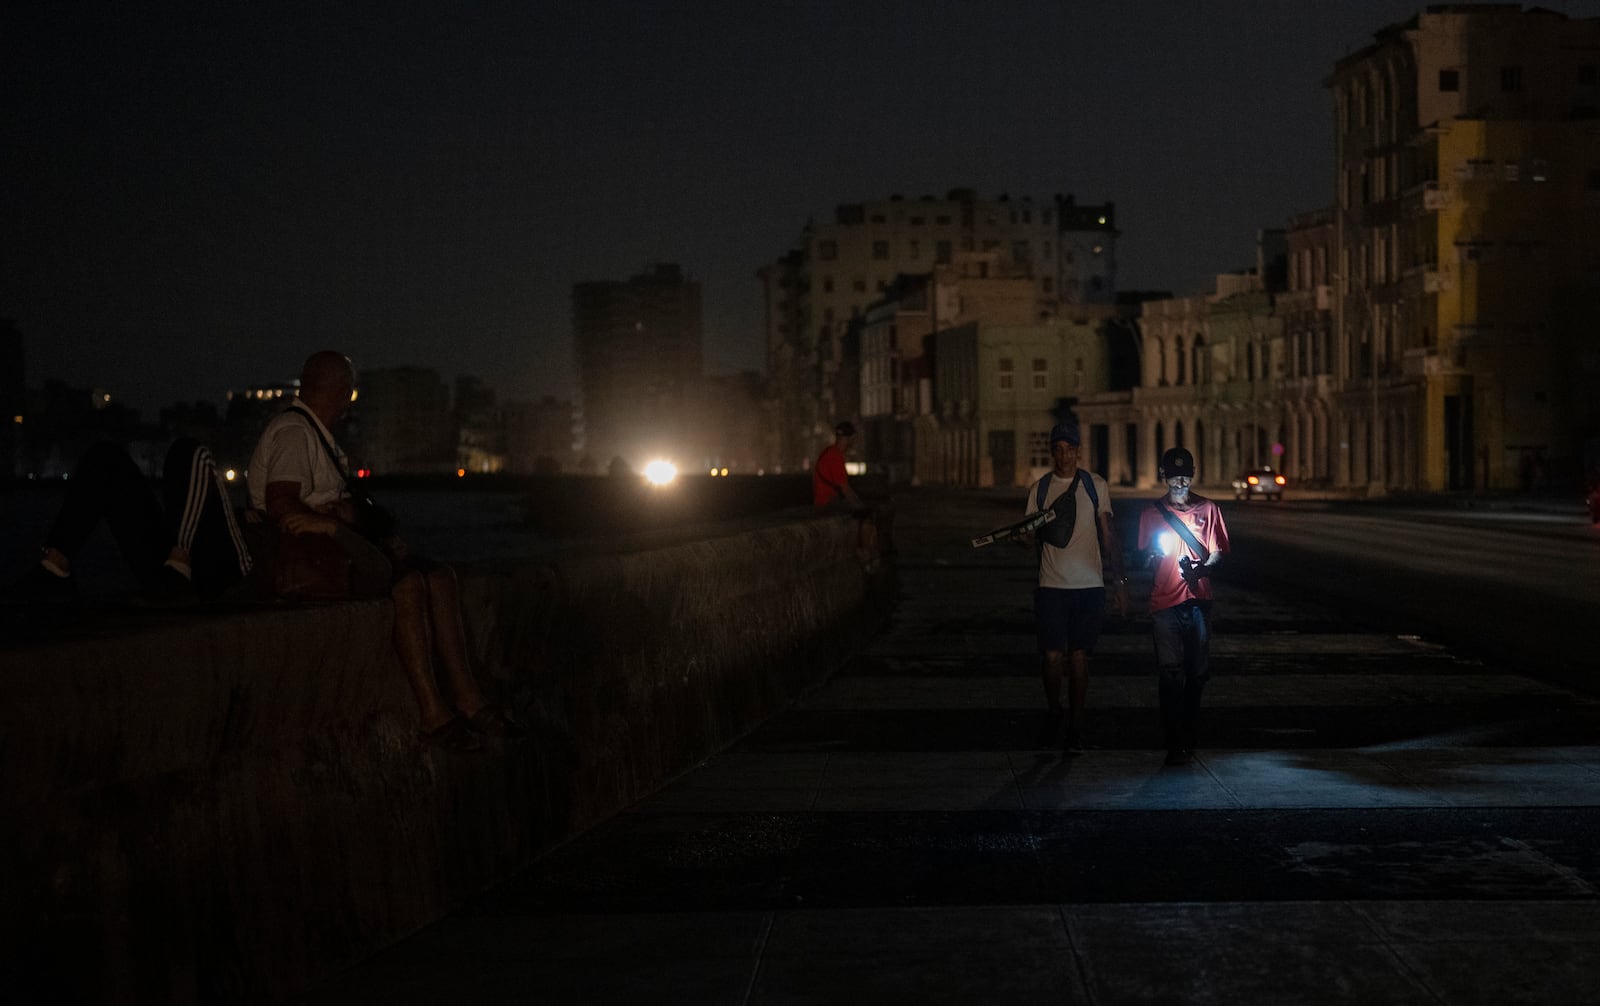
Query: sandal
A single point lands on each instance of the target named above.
(494, 721)
(454, 734)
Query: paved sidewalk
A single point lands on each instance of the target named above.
(1372, 819)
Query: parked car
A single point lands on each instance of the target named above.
(1259, 482)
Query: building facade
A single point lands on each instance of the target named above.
(819, 294)
(640, 365)
(1465, 249)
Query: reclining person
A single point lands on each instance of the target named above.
(182, 544)
(298, 479)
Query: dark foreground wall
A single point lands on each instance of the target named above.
(227, 807)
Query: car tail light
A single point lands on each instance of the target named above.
(1253, 480)
(1280, 480)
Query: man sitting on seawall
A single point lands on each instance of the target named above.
(298, 479)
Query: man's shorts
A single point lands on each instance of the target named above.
(1069, 619)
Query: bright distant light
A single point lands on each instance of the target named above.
(1166, 541)
(713, 473)
(724, 472)
(461, 473)
(659, 473)
(230, 474)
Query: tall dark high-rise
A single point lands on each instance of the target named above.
(640, 366)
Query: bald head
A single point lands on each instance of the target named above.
(326, 381)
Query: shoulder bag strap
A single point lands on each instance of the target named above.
(311, 421)
(1199, 551)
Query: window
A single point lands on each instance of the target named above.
(1511, 78)
(1041, 374)
(859, 285)
(827, 284)
(914, 249)
(880, 249)
(941, 252)
(1449, 80)
(1047, 285)
(827, 251)
(1020, 252)
(942, 220)
(1005, 374)
(1541, 170)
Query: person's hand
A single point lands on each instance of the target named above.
(308, 522)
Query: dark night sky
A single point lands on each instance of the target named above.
(192, 201)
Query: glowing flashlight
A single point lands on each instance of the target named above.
(1167, 542)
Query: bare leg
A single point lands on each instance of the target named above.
(450, 640)
(1078, 685)
(412, 645)
(1051, 669)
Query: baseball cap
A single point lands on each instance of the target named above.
(1065, 431)
(845, 429)
(1177, 463)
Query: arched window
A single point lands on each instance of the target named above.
(1181, 359)
(1177, 434)
(1199, 371)
(1250, 361)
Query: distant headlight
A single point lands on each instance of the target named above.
(659, 473)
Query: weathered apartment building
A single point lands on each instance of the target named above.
(1438, 326)
(850, 312)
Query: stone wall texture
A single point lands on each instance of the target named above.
(206, 807)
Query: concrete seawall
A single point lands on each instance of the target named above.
(224, 807)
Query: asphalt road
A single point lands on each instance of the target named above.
(1516, 584)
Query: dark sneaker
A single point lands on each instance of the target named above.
(40, 586)
(169, 589)
(1077, 742)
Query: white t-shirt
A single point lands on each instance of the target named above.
(1078, 565)
(289, 451)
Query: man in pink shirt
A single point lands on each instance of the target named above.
(1185, 537)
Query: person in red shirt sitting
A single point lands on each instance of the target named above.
(830, 487)
(1185, 536)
